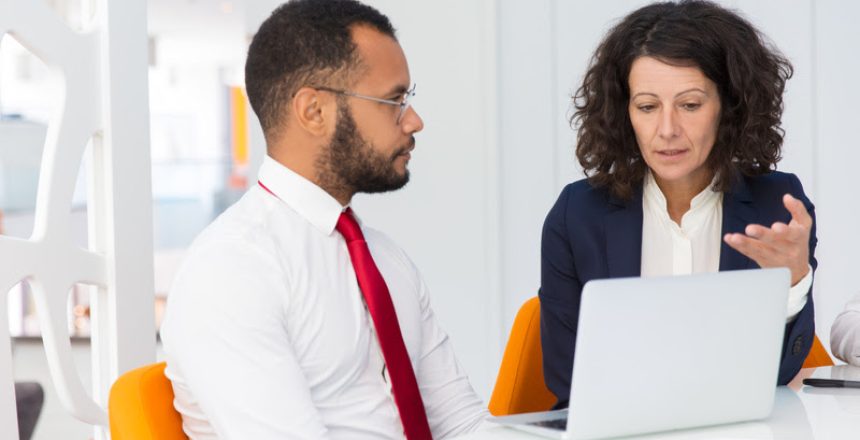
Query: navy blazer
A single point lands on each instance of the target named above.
(589, 234)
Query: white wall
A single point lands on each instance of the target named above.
(528, 126)
(837, 154)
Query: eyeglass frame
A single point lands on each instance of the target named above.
(405, 104)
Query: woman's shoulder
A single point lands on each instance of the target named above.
(581, 201)
(583, 192)
(773, 178)
(775, 182)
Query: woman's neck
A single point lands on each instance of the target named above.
(679, 194)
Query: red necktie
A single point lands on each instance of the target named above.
(378, 300)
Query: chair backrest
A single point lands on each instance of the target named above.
(817, 356)
(519, 386)
(29, 399)
(140, 406)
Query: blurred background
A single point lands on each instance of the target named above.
(494, 83)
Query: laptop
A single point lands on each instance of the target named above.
(668, 353)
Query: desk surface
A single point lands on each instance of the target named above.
(800, 412)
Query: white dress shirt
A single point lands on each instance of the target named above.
(266, 334)
(694, 246)
(845, 333)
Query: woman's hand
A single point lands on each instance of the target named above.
(780, 245)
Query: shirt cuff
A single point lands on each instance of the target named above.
(798, 294)
(845, 337)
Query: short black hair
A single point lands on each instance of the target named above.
(303, 42)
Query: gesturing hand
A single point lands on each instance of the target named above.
(780, 245)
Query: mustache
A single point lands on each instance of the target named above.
(405, 149)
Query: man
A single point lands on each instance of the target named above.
(288, 319)
(845, 333)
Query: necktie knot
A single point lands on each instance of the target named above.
(348, 226)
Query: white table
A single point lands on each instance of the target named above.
(800, 413)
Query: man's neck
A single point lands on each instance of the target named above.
(308, 168)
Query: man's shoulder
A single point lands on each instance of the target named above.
(389, 255)
(235, 248)
(380, 241)
(245, 224)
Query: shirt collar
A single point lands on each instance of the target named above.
(705, 200)
(310, 201)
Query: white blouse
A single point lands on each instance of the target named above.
(694, 246)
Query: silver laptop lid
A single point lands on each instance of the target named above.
(676, 352)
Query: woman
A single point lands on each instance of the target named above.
(679, 134)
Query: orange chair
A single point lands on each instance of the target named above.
(817, 356)
(140, 406)
(520, 386)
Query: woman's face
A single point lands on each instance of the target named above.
(675, 112)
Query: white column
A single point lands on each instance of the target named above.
(103, 70)
(123, 334)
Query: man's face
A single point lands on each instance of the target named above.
(358, 164)
(370, 149)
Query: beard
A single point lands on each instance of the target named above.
(350, 165)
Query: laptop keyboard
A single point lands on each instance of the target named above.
(557, 424)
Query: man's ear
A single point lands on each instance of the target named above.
(310, 110)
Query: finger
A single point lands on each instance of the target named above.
(759, 232)
(792, 242)
(763, 254)
(797, 210)
(779, 227)
(790, 239)
(799, 234)
(751, 247)
(789, 234)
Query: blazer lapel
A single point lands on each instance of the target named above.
(738, 212)
(624, 237)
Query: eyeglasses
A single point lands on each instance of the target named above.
(403, 103)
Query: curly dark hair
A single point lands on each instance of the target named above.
(749, 72)
(304, 42)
